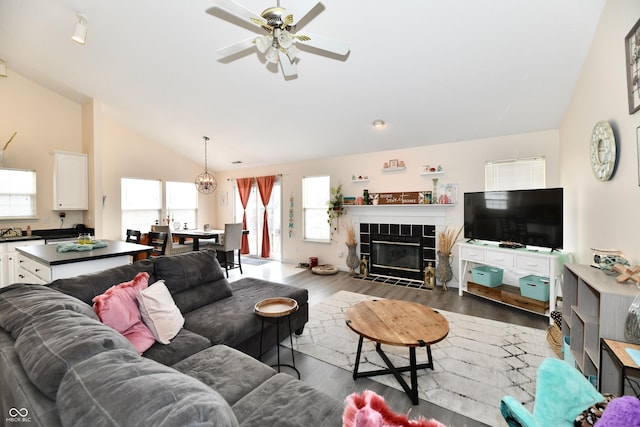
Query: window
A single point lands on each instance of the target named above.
(182, 202)
(520, 174)
(315, 194)
(17, 193)
(141, 203)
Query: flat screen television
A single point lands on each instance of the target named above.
(515, 217)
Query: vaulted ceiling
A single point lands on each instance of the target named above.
(435, 71)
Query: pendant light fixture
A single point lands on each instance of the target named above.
(205, 182)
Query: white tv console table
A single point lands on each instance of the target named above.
(521, 261)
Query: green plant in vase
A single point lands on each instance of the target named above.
(335, 209)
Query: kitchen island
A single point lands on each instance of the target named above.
(43, 263)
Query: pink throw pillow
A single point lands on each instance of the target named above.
(118, 308)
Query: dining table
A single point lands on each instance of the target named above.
(196, 235)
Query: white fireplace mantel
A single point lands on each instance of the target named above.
(400, 214)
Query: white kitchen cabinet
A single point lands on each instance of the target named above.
(70, 181)
(9, 260)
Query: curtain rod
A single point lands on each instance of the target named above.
(278, 175)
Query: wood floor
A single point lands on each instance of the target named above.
(338, 382)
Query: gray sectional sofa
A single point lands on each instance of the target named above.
(59, 365)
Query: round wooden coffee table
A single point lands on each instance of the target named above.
(398, 323)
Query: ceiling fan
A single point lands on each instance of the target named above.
(279, 43)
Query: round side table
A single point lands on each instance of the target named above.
(277, 308)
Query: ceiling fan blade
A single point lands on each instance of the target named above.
(240, 11)
(323, 43)
(288, 68)
(300, 8)
(237, 47)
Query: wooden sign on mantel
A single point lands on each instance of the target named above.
(403, 198)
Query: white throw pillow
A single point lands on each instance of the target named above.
(161, 315)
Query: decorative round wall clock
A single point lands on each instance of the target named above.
(603, 151)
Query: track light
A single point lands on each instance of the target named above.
(80, 30)
(3, 67)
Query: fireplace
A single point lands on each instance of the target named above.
(398, 250)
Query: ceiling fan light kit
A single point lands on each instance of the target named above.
(279, 44)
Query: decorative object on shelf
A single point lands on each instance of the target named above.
(365, 196)
(448, 194)
(602, 149)
(434, 195)
(632, 49)
(430, 276)
(352, 257)
(393, 164)
(205, 182)
(447, 238)
(627, 273)
(291, 216)
(279, 43)
(632, 323)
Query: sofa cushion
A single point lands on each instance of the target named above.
(284, 401)
(53, 343)
(19, 392)
(105, 391)
(118, 308)
(182, 346)
(235, 322)
(159, 312)
(228, 371)
(194, 279)
(21, 302)
(87, 286)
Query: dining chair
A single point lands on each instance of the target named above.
(172, 248)
(158, 241)
(231, 242)
(133, 236)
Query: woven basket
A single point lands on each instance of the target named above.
(554, 336)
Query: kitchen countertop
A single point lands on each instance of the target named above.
(47, 254)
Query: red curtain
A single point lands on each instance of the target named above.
(244, 190)
(265, 185)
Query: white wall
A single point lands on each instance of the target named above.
(602, 214)
(463, 163)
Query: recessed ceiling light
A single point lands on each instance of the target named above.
(379, 124)
(236, 162)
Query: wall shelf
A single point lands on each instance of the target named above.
(399, 168)
(432, 173)
(360, 180)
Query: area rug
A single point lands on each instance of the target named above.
(478, 363)
(255, 261)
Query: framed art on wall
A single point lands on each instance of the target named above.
(632, 48)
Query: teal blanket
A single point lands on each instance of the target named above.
(71, 246)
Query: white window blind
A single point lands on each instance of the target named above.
(315, 195)
(17, 193)
(519, 174)
(141, 203)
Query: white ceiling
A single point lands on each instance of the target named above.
(435, 70)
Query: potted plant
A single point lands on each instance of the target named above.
(334, 205)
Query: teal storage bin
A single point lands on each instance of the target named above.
(536, 287)
(486, 275)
